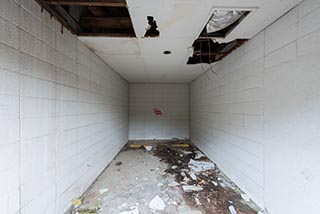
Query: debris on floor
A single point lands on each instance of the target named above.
(163, 177)
(148, 148)
(200, 166)
(204, 186)
(134, 211)
(157, 204)
(191, 188)
(104, 190)
(133, 145)
(77, 202)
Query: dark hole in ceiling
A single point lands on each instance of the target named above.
(152, 30)
(92, 17)
(208, 51)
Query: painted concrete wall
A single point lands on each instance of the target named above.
(173, 102)
(259, 118)
(63, 112)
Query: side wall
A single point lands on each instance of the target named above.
(63, 112)
(171, 99)
(259, 118)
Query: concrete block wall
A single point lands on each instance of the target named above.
(171, 99)
(259, 118)
(63, 112)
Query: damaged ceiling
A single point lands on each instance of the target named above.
(161, 41)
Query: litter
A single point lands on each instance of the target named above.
(148, 148)
(214, 183)
(187, 153)
(174, 167)
(135, 145)
(77, 202)
(191, 188)
(157, 204)
(180, 145)
(104, 190)
(199, 155)
(232, 210)
(245, 197)
(173, 184)
(134, 211)
(193, 176)
(197, 201)
(202, 182)
(200, 166)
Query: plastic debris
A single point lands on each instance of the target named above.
(197, 201)
(174, 167)
(245, 197)
(232, 210)
(193, 176)
(214, 183)
(157, 204)
(199, 155)
(187, 153)
(191, 188)
(77, 202)
(104, 190)
(173, 184)
(148, 148)
(134, 211)
(200, 166)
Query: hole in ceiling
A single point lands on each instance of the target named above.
(222, 22)
(92, 18)
(152, 30)
(208, 51)
(166, 52)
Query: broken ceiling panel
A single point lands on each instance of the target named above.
(208, 51)
(109, 18)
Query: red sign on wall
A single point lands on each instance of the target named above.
(157, 111)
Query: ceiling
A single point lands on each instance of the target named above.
(180, 23)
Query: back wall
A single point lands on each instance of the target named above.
(158, 111)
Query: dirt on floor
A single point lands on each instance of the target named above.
(215, 193)
(168, 177)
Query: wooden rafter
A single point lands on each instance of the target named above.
(106, 3)
(106, 22)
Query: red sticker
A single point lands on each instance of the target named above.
(157, 111)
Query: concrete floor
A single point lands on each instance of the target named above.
(129, 184)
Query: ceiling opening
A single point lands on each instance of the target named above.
(152, 30)
(92, 17)
(222, 22)
(206, 50)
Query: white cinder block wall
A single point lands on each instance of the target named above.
(259, 118)
(63, 112)
(171, 99)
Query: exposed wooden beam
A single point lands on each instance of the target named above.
(70, 20)
(98, 11)
(106, 3)
(105, 22)
(59, 17)
(127, 35)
